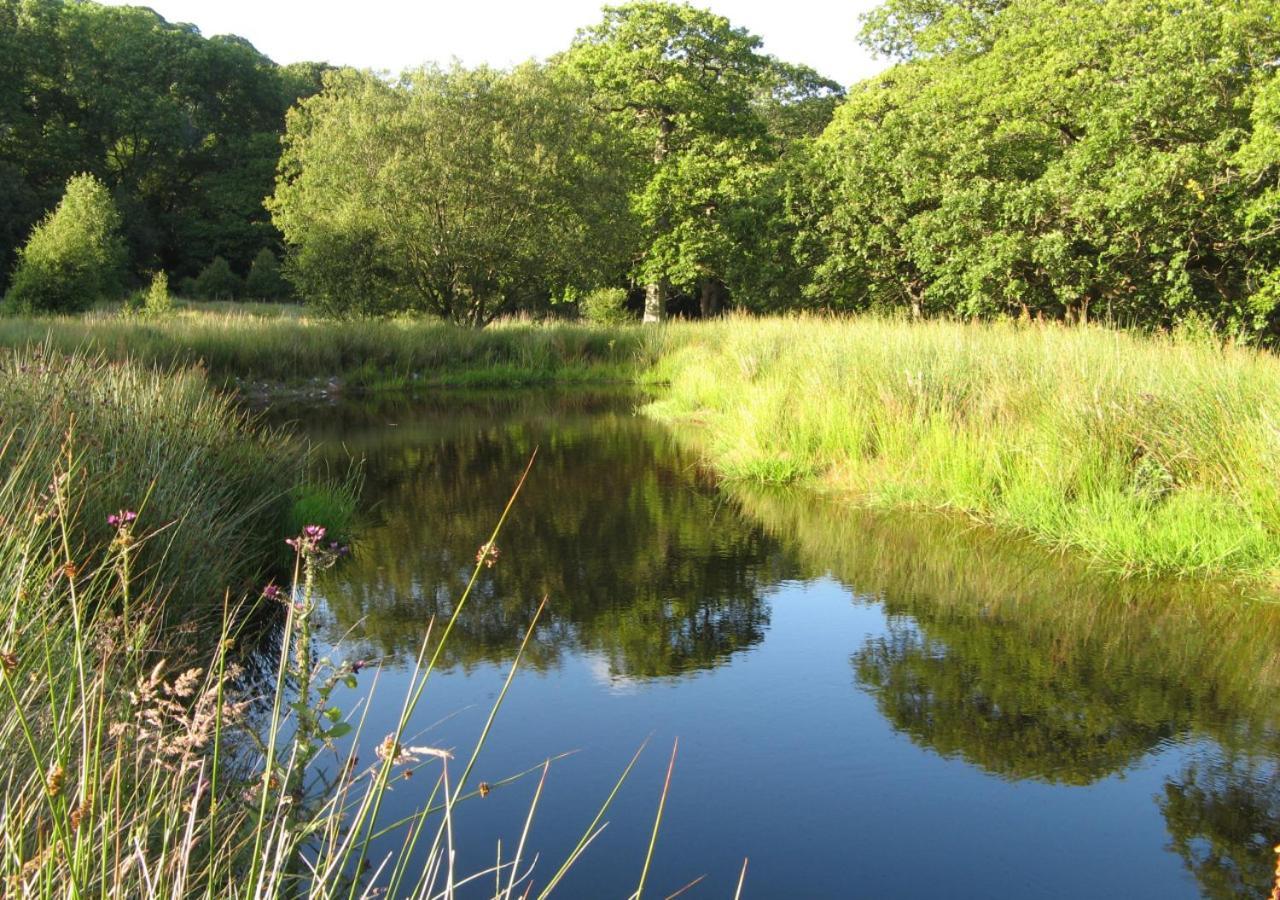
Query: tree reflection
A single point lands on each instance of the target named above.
(1223, 816)
(1007, 706)
(643, 563)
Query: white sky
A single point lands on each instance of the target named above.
(396, 34)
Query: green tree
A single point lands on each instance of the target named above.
(183, 130)
(265, 280)
(74, 257)
(217, 281)
(468, 193)
(1031, 159)
(706, 112)
(158, 303)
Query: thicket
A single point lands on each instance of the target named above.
(183, 130)
(74, 257)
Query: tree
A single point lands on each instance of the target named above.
(183, 130)
(74, 257)
(265, 281)
(1028, 158)
(217, 281)
(708, 115)
(468, 193)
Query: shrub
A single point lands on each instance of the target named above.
(217, 281)
(157, 302)
(74, 257)
(265, 280)
(605, 306)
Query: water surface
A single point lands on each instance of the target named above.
(865, 705)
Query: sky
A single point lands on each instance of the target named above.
(392, 35)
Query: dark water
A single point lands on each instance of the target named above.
(865, 706)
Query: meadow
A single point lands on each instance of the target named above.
(1141, 453)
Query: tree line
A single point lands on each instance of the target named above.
(182, 131)
(1113, 160)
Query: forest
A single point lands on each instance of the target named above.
(1115, 162)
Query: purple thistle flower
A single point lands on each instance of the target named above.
(314, 533)
(122, 518)
(272, 592)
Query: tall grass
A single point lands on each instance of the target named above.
(236, 343)
(216, 485)
(128, 777)
(1143, 454)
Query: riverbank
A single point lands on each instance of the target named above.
(241, 346)
(1145, 455)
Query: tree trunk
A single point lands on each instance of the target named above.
(655, 292)
(709, 298)
(655, 301)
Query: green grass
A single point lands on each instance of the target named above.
(213, 486)
(1142, 454)
(277, 343)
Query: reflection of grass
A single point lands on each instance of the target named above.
(1175, 651)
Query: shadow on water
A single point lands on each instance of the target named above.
(982, 650)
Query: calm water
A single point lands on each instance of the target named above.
(864, 706)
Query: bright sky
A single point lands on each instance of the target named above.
(396, 34)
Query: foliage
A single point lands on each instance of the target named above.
(1102, 160)
(265, 280)
(183, 130)
(465, 193)
(74, 257)
(157, 302)
(697, 99)
(605, 306)
(217, 282)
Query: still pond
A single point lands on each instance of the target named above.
(866, 705)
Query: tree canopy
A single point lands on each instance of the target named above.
(1028, 157)
(182, 130)
(473, 192)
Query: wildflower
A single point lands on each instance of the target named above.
(357, 666)
(399, 754)
(122, 519)
(273, 592)
(488, 554)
